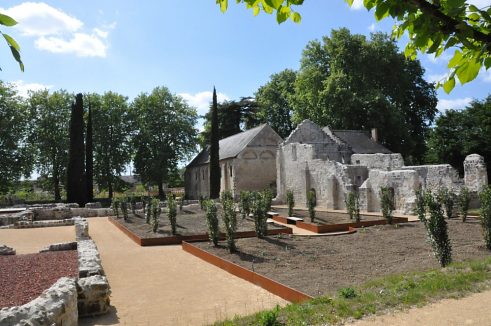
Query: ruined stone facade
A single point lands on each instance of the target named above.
(333, 163)
(247, 162)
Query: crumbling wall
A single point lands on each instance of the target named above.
(55, 306)
(434, 177)
(386, 162)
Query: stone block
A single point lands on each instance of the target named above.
(81, 228)
(5, 250)
(93, 205)
(55, 306)
(93, 295)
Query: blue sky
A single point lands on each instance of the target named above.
(188, 46)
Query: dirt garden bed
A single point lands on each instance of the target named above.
(322, 265)
(191, 226)
(24, 277)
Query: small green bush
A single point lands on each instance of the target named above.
(156, 210)
(437, 231)
(133, 205)
(229, 219)
(485, 213)
(259, 203)
(421, 198)
(347, 293)
(268, 199)
(172, 213)
(447, 199)
(245, 203)
(311, 203)
(387, 203)
(464, 201)
(290, 201)
(115, 205)
(124, 207)
(352, 202)
(212, 221)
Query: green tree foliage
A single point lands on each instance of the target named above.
(12, 44)
(433, 27)
(15, 153)
(233, 117)
(113, 126)
(229, 219)
(124, 207)
(275, 102)
(212, 221)
(215, 171)
(89, 158)
(75, 187)
(387, 203)
(347, 76)
(115, 206)
(464, 199)
(460, 133)
(49, 135)
(165, 136)
(485, 214)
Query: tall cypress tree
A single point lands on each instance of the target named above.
(75, 171)
(89, 155)
(214, 150)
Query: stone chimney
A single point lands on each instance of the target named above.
(375, 134)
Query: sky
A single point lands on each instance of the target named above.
(131, 47)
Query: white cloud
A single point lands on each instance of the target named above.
(372, 27)
(443, 58)
(454, 104)
(81, 44)
(58, 32)
(40, 19)
(357, 5)
(486, 75)
(201, 101)
(23, 88)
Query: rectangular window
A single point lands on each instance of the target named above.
(230, 170)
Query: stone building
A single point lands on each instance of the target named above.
(335, 162)
(247, 162)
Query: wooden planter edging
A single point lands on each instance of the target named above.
(268, 284)
(326, 228)
(178, 239)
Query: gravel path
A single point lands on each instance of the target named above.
(25, 277)
(164, 285)
(28, 241)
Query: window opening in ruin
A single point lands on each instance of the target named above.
(358, 162)
(230, 168)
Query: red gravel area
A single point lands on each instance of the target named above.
(24, 277)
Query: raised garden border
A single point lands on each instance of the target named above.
(178, 239)
(328, 228)
(268, 284)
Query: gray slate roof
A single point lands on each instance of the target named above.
(360, 142)
(229, 147)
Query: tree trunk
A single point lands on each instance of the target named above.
(56, 186)
(161, 191)
(110, 186)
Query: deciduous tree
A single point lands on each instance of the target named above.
(50, 134)
(165, 135)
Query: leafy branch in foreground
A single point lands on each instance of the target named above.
(433, 27)
(12, 44)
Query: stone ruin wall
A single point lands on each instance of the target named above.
(379, 161)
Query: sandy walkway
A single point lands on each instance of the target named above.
(471, 310)
(27, 241)
(165, 286)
